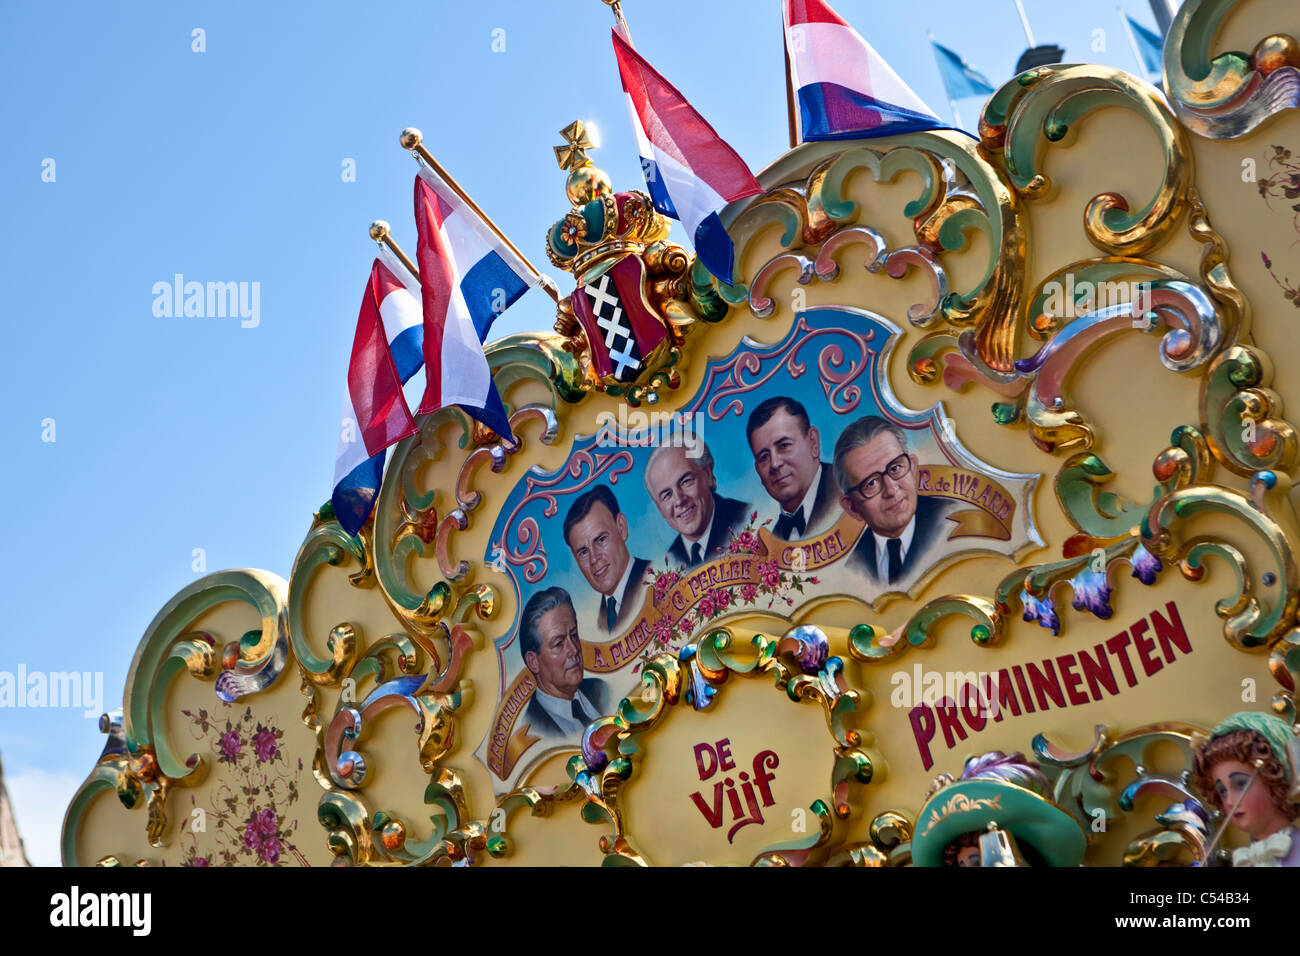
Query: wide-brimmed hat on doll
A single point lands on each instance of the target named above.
(1008, 791)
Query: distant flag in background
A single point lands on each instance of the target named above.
(387, 352)
(690, 171)
(843, 88)
(1147, 46)
(456, 369)
(959, 78)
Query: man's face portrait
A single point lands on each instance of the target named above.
(882, 489)
(682, 490)
(599, 545)
(557, 663)
(787, 458)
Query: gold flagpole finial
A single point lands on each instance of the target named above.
(413, 140)
(616, 7)
(382, 233)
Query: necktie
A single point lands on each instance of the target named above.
(611, 619)
(789, 525)
(577, 711)
(695, 553)
(895, 549)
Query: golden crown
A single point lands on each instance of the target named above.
(603, 225)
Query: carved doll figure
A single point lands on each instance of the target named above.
(1245, 772)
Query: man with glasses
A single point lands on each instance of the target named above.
(878, 477)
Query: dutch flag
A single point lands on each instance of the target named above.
(387, 353)
(691, 173)
(456, 370)
(845, 90)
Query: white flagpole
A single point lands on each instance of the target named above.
(1132, 40)
(1024, 21)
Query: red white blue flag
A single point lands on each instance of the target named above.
(844, 89)
(456, 370)
(690, 170)
(387, 352)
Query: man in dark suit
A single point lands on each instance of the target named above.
(685, 492)
(878, 478)
(563, 703)
(787, 457)
(595, 530)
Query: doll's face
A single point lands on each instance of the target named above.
(969, 856)
(1255, 813)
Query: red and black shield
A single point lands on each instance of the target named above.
(618, 319)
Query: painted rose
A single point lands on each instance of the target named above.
(269, 851)
(265, 745)
(663, 632)
(722, 598)
(267, 824)
(769, 574)
(748, 592)
(708, 604)
(664, 582)
(230, 745)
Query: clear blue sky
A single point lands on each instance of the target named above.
(173, 434)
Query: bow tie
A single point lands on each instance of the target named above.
(1266, 852)
(789, 525)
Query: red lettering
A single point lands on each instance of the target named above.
(1024, 689)
(1116, 646)
(1045, 685)
(764, 764)
(923, 728)
(949, 723)
(1097, 671)
(700, 751)
(724, 754)
(1067, 663)
(1007, 695)
(1145, 645)
(1171, 632)
(975, 718)
(712, 814)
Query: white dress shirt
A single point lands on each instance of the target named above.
(809, 500)
(882, 548)
(618, 592)
(561, 711)
(703, 539)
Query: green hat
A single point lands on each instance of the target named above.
(970, 805)
(1273, 729)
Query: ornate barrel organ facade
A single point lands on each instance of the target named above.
(678, 621)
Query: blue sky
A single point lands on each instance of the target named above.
(175, 434)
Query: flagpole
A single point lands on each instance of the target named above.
(1024, 22)
(380, 232)
(412, 140)
(616, 7)
(1132, 40)
(789, 90)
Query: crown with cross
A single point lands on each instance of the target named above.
(602, 225)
